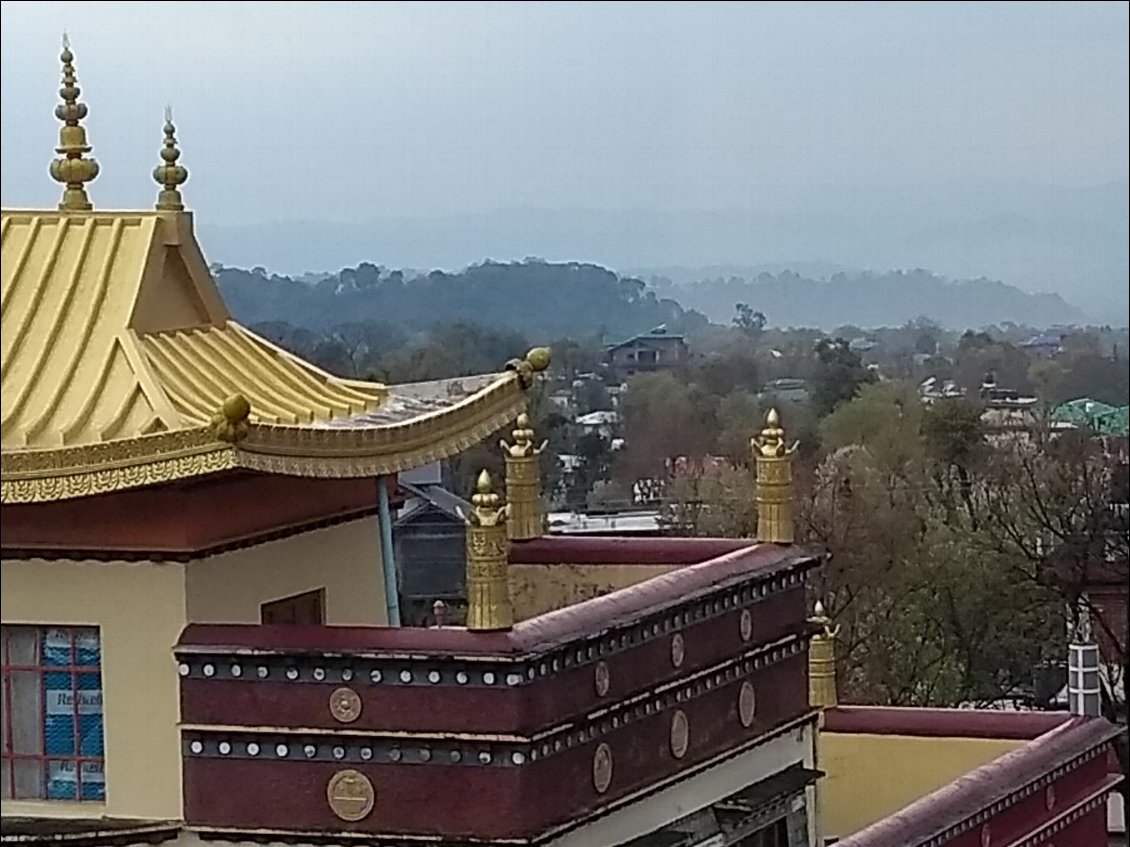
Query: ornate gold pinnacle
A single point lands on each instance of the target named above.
(523, 483)
(230, 423)
(822, 661)
(170, 175)
(774, 461)
(536, 361)
(72, 169)
(488, 549)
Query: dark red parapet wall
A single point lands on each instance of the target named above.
(941, 723)
(183, 521)
(661, 678)
(587, 550)
(1051, 789)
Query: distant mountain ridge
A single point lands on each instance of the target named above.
(583, 300)
(839, 296)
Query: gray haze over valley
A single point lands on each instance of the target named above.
(680, 142)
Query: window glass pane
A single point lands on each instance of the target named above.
(52, 714)
(62, 780)
(29, 778)
(93, 781)
(59, 718)
(89, 693)
(57, 647)
(88, 651)
(22, 647)
(27, 714)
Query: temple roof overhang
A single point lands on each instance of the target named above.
(122, 367)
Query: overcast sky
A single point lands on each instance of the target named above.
(316, 110)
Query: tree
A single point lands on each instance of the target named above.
(663, 418)
(838, 375)
(749, 322)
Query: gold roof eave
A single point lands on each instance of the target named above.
(34, 476)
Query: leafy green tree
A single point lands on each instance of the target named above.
(838, 375)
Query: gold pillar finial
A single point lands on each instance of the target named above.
(523, 483)
(773, 459)
(170, 175)
(822, 661)
(488, 551)
(72, 168)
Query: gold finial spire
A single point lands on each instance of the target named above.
(822, 661)
(488, 551)
(72, 169)
(773, 458)
(523, 483)
(170, 175)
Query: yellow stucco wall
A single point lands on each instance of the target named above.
(345, 560)
(140, 610)
(536, 589)
(870, 776)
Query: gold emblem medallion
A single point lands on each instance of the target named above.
(601, 679)
(678, 650)
(602, 768)
(351, 795)
(745, 624)
(1049, 797)
(680, 734)
(747, 704)
(345, 705)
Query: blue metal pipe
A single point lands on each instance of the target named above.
(388, 558)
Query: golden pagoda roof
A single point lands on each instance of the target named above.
(119, 355)
(122, 366)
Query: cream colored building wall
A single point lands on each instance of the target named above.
(868, 777)
(344, 560)
(140, 611)
(537, 589)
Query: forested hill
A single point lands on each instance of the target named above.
(555, 300)
(866, 299)
(540, 299)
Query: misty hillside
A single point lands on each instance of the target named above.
(552, 300)
(537, 298)
(866, 299)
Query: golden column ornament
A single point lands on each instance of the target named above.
(523, 483)
(170, 175)
(488, 583)
(774, 461)
(72, 169)
(822, 661)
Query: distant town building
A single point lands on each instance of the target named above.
(429, 536)
(1046, 345)
(651, 351)
(603, 423)
(791, 389)
(634, 523)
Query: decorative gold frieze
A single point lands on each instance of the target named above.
(774, 462)
(351, 795)
(488, 582)
(523, 483)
